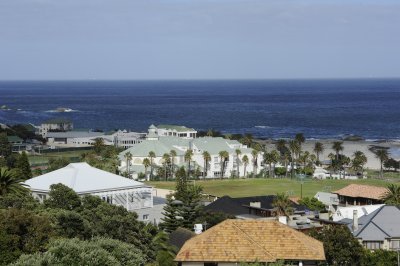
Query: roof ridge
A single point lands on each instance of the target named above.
(380, 228)
(369, 221)
(252, 240)
(296, 235)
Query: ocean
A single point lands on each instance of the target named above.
(320, 109)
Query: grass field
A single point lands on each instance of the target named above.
(44, 158)
(257, 187)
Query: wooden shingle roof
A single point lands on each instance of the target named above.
(362, 191)
(250, 241)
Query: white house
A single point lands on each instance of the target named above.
(56, 124)
(119, 138)
(87, 180)
(175, 131)
(161, 145)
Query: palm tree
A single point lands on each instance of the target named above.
(238, 153)
(318, 149)
(172, 153)
(206, 159)
(359, 161)
(254, 155)
(271, 158)
(167, 160)
(223, 156)
(392, 195)
(146, 164)
(286, 160)
(10, 182)
(295, 149)
(383, 156)
(152, 155)
(282, 205)
(245, 161)
(128, 158)
(299, 137)
(188, 159)
(280, 145)
(337, 146)
(345, 162)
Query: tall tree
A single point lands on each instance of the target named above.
(10, 182)
(98, 145)
(146, 163)
(280, 145)
(318, 149)
(181, 183)
(359, 161)
(254, 156)
(238, 152)
(341, 248)
(337, 146)
(383, 156)
(166, 162)
(62, 197)
(23, 166)
(206, 160)
(295, 149)
(172, 219)
(223, 157)
(5, 146)
(151, 155)
(188, 158)
(282, 205)
(271, 158)
(172, 153)
(392, 195)
(128, 157)
(299, 137)
(245, 161)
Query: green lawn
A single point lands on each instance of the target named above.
(256, 187)
(44, 158)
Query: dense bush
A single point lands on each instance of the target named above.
(22, 231)
(98, 251)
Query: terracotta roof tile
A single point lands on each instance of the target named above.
(362, 191)
(250, 241)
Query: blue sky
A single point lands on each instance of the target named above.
(204, 39)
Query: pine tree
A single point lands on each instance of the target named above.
(23, 166)
(181, 184)
(190, 210)
(171, 220)
(5, 146)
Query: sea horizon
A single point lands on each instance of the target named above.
(273, 108)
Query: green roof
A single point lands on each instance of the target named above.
(14, 139)
(177, 128)
(159, 147)
(57, 121)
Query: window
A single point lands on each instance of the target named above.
(395, 244)
(145, 217)
(373, 244)
(210, 263)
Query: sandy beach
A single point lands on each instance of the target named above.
(349, 148)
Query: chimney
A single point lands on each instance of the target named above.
(355, 220)
(198, 229)
(256, 204)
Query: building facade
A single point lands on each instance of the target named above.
(87, 180)
(56, 124)
(216, 167)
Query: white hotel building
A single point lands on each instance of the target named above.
(161, 145)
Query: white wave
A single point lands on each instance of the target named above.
(262, 126)
(62, 110)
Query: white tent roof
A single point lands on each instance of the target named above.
(82, 178)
